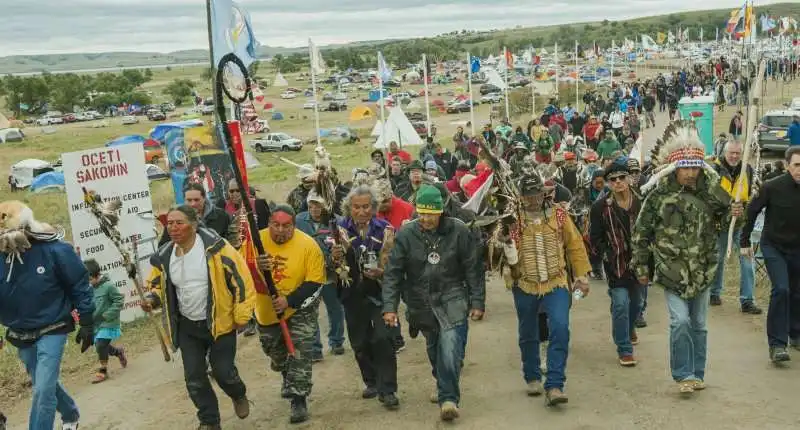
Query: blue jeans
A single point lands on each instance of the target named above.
(625, 305)
(335, 319)
(556, 305)
(783, 316)
(446, 353)
(746, 269)
(43, 363)
(688, 335)
(643, 300)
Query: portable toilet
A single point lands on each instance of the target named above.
(700, 110)
(375, 95)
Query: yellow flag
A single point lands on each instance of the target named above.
(660, 38)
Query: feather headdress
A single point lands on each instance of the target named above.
(17, 227)
(325, 184)
(679, 146)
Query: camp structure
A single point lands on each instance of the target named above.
(48, 182)
(26, 170)
(398, 129)
(280, 81)
(361, 113)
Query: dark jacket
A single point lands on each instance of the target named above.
(297, 198)
(379, 237)
(610, 230)
(215, 219)
(45, 288)
(438, 296)
(320, 232)
(108, 303)
(781, 221)
(448, 162)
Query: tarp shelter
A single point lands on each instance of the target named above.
(493, 78)
(376, 131)
(48, 182)
(126, 140)
(160, 131)
(361, 113)
(280, 81)
(398, 129)
(375, 95)
(277, 116)
(26, 170)
(154, 172)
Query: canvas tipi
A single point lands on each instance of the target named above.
(398, 129)
(280, 81)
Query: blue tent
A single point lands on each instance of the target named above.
(277, 116)
(49, 181)
(160, 131)
(125, 140)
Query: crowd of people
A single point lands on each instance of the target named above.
(549, 206)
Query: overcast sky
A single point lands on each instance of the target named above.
(65, 26)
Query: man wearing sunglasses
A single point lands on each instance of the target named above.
(612, 218)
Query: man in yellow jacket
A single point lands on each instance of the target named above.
(297, 265)
(206, 291)
(732, 176)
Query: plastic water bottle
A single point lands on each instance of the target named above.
(577, 294)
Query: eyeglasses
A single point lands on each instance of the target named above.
(233, 190)
(618, 178)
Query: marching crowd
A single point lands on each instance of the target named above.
(548, 206)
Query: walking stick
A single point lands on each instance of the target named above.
(752, 114)
(108, 224)
(219, 91)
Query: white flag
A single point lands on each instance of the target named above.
(317, 63)
(474, 203)
(232, 32)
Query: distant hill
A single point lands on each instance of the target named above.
(476, 42)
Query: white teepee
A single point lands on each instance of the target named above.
(398, 129)
(280, 81)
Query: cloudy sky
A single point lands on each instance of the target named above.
(59, 26)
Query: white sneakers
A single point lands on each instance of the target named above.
(69, 426)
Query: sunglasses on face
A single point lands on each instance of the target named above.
(618, 178)
(233, 190)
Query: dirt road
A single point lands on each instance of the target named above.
(744, 390)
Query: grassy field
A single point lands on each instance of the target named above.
(274, 178)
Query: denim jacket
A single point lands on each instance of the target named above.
(321, 233)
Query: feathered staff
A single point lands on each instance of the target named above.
(325, 187)
(107, 215)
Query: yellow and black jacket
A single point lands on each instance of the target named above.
(231, 294)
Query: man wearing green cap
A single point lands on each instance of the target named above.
(435, 267)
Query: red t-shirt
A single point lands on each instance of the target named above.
(404, 156)
(401, 211)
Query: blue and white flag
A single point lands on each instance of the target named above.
(475, 64)
(384, 70)
(232, 32)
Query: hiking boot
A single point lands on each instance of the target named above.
(123, 359)
(627, 360)
(640, 322)
(316, 356)
(555, 396)
(751, 308)
(390, 401)
(779, 355)
(434, 396)
(285, 388)
(299, 410)
(448, 411)
(634, 338)
(715, 301)
(686, 387)
(699, 385)
(250, 330)
(535, 388)
(242, 407)
(337, 350)
(369, 393)
(100, 376)
(209, 427)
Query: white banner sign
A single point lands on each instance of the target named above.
(115, 173)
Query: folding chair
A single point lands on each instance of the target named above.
(761, 274)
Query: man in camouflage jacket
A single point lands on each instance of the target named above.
(678, 225)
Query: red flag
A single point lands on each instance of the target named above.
(509, 59)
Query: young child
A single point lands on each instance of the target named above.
(108, 303)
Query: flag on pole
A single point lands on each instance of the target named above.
(475, 64)
(648, 43)
(736, 16)
(670, 37)
(317, 63)
(383, 69)
(661, 38)
(749, 19)
(596, 50)
(509, 59)
(232, 32)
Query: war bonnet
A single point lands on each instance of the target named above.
(679, 147)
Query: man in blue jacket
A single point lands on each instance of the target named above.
(42, 280)
(793, 134)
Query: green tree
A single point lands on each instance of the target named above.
(179, 90)
(67, 91)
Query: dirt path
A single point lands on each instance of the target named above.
(745, 391)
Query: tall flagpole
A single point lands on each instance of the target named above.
(577, 78)
(533, 82)
(314, 62)
(427, 104)
(471, 104)
(556, 59)
(613, 57)
(382, 100)
(505, 58)
(596, 62)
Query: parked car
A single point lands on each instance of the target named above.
(773, 127)
(458, 107)
(95, 114)
(156, 116)
(337, 106)
(8, 135)
(288, 95)
(309, 104)
(129, 119)
(276, 142)
(492, 98)
(167, 107)
(207, 109)
(489, 88)
(795, 104)
(68, 118)
(49, 120)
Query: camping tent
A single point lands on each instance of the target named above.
(280, 81)
(26, 170)
(493, 78)
(361, 113)
(376, 131)
(160, 131)
(277, 116)
(398, 129)
(47, 182)
(154, 172)
(125, 140)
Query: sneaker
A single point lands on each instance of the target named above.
(715, 301)
(369, 393)
(69, 426)
(434, 396)
(337, 350)
(316, 356)
(399, 346)
(250, 330)
(699, 385)
(634, 338)
(779, 355)
(100, 376)
(209, 427)
(686, 387)
(299, 410)
(535, 388)
(555, 396)
(448, 411)
(123, 359)
(751, 308)
(627, 360)
(390, 401)
(242, 407)
(640, 322)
